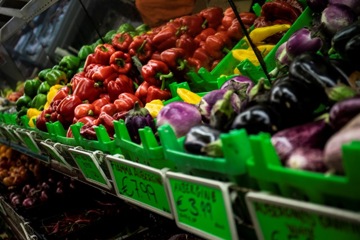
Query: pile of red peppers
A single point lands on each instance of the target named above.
(111, 82)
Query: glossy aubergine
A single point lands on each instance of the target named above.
(199, 139)
(343, 36)
(352, 49)
(314, 68)
(296, 99)
(259, 118)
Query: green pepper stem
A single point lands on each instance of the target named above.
(120, 62)
(182, 64)
(203, 25)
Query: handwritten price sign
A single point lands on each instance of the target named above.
(140, 184)
(278, 218)
(201, 206)
(90, 168)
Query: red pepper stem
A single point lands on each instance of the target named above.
(182, 64)
(120, 62)
(139, 50)
(204, 24)
(162, 84)
(103, 48)
(225, 50)
(164, 76)
(90, 113)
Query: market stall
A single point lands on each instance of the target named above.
(226, 123)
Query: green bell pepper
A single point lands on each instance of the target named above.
(85, 51)
(23, 102)
(42, 73)
(109, 35)
(125, 27)
(44, 88)
(31, 86)
(69, 62)
(56, 76)
(39, 101)
(143, 28)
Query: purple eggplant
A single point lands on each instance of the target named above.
(282, 60)
(203, 140)
(259, 118)
(136, 119)
(223, 112)
(305, 158)
(317, 5)
(353, 4)
(301, 41)
(258, 94)
(241, 85)
(333, 156)
(181, 116)
(337, 16)
(311, 135)
(208, 101)
(342, 112)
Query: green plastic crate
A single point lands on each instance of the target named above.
(149, 152)
(331, 190)
(40, 135)
(232, 167)
(103, 143)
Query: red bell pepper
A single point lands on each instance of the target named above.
(174, 58)
(91, 69)
(213, 16)
(157, 93)
(194, 64)
(88, 90)
(248, 18)
(166, 38)
(229, 16)
(76, 79)
(234, 31)
(142, 90)
(62, 93)
(156, 56)
(104, 72)
(187, 43)
(103, 52)
(41, 121)
(108, 122)
(90, 59)
(204, 58)
(122, 84)
(154, 72)
(191, 24)
(85, 120)
(120, 115)
(88, 130)
(201, 37)
(216, 45)
(121, 62)
(126, 101)
(66, 108)
(109, 108)
(99, 103)
(122, 41)
(83, 110)
(142, 48)
(214, 64)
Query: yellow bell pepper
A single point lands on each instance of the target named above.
(32, 121)
(46, 106)
(242, 54)
(31, 112)
(52, 92)
(258, 35)
(154, 107)
(188, 96)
